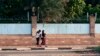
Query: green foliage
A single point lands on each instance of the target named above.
(92, 2)
(97, 49)
(93, 10)
(74, 8)
(13, 7)
(62, 11)
(53, 9)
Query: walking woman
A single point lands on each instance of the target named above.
(38, 35)
(43, 38)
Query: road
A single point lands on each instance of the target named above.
(44, 53)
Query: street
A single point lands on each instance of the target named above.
(44, 53)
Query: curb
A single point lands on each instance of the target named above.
(40, 48)
(45, 48)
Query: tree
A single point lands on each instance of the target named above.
(92, 10)
(14, 7)
(46, 10)
(92, 2)
(74, 8)
(51, 10)
(43, 8)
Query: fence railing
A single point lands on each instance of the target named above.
(25, 19)
(15, 19)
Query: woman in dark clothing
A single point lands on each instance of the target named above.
(43, 38)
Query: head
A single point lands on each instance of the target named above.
(38, 31)
(42, 31)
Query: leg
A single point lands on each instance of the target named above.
(42, 41)
(37, 39)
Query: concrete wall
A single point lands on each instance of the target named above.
(15, 28)
(97, 28)
(49, 28)
(65, 28)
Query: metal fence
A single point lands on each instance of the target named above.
(15, 19)
(27, 19)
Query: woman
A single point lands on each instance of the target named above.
(38, 35)
(43, 38)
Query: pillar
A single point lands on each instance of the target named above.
(92, 25)
(34, 25)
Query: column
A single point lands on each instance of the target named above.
(92, 25)
(34, 25)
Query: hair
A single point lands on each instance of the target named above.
(38, 31)
(43, 31)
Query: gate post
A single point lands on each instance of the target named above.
(92, 25)
(34, 25)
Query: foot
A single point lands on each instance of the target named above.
(46, 45)
(38, 45)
